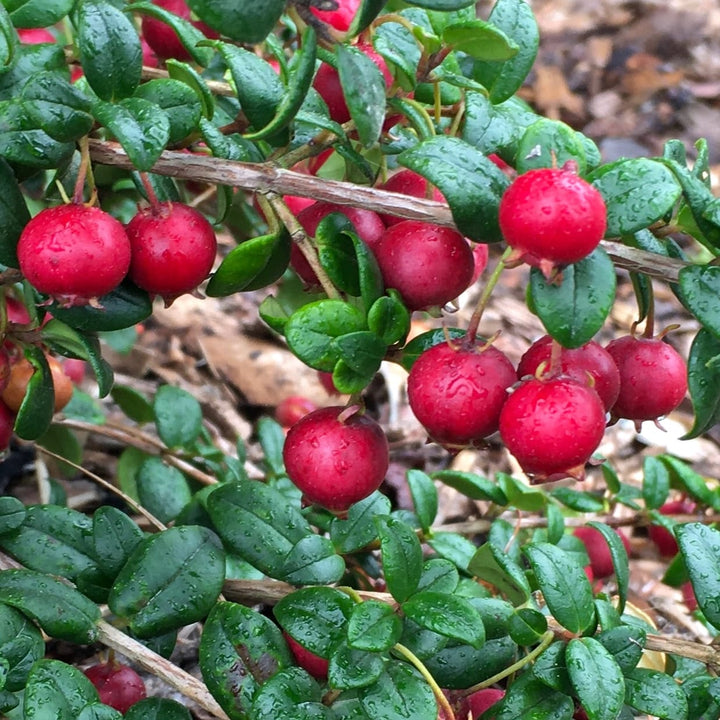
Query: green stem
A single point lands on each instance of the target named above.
(545, 642)
(485, 296)
(351, 592)
(429, 679)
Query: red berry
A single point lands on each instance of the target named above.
(598, 550)
(427, 264)
(408, 182)
(74, 253)
(7, 422)
(341, 18)
(292, 408)
(551, 217)
(368, 226)
(552, 427)
(336, 456)
(484, 699)
(457, 392)
(577, 363)
(74, 369)
(314, 664)
(481, 254)
(35, 36)
(688, 594)
(664, 540)
(326, 380)
(16, 311)
(118, 686)
(162, 38)
(653, 377)
(173, 249)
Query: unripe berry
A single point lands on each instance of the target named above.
(20, 374)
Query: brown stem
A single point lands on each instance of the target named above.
(82, 170)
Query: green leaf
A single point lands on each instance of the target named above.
(530, 698)
(550, 668)
(527, 626)
(135, 405)
(472, 184)
(246, 21)
(172, 578)
(453, 547)
(447, 615)
(12, 514)
(37, 13)
(417, 346)
(596, 677)
(700, 548)
(99, 711)
(27, 60)
(312, 561)
(699, 284)
(163, 490)
(704, 381)
(472, 485)
(656, 694)
(389, 319)
(656, 482)
(439, 575)
(60, 610)
(178, 416)
(637, 192)
(156, 708)
(549, 143)
(373, 626)
(178, 100)
(240, 649)
(38, 405)
(272, 439)
(479, 39)
(110, 51)
(352, 668)
(21, 644)
(115, 537)
(686, 478)
(575, 310)
(359, 529)
(288, 695)
(625, 643)
(185, 73)
(441, 5)
(57, 691)
(579, 501)
(493, 566)
(424, 496)
(400, 693)
(564, 585)
(14, 215)
(141, 127)
(401, 556)
(520, 494)
(361, 351)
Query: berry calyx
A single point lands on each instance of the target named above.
(314, 664)
(484, 699)
(457, 393)
(663, 539)
(292, 408)
(552, 427)
(162, 38)
(653, 377)
(118, 685)
(173, 249)
(590, 360)
(74, 253)
(336, 456)
(408, 182)
(427, 264)
(598, 550)
(552, 217)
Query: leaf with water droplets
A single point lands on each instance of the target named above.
(57, 691)
(656, 694)
(700, 547)
(704, 382)
(401, 556)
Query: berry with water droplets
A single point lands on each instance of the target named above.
(173, 249)
(598, 550)
(74, 253)
(408, 182)
(457, 391)
(336, 456)
(552, 427)
(118, 685)
(341, 18)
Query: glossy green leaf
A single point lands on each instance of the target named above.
(178, 100)
(439, 575)
(704, 381)
(564, 585)
(178, 416)
(115, 537)
(352, 668)
(21, 644)
(530, 698)
(310, 331)
(163, 490)
(499, 570)
(684, 477)
(549, 143)
(656, 482)
(361, 351)
(699, 285)
(99, 711)
(700, 548)
(246, 21)
(397, 44)
(637, 192)
(110, 51)
(479, 39)
(656, 694)
(441, 5)
(472, 184)
(578, 500)
(37, 13)
(12, 514)
(400, 693)
(373, 626)
(447, 615)
(141, 127)
(366, 13)
(527, 626)
(312, 561)
(57, 691)
(596, 677)
(550, 668)
(625, 643)
(424, 496)
(288, 695)
(240, 649)
(520, 494)
(358, 529)
(172, 578)
(60, 610)
(135, 405)
(157, 708)
(472, 485)
(401, 556)
(412, 351)
(389, 319)
(26, 61)
(185, 73)
(454, 547)
(37, 408)
(14, 215)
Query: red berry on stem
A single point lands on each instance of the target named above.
(341, 18)
(552, 427)
(552, 217)
(457, 392)
(577, 363)
(336, 456)
(664, 540)
(408, 182)
(427, 264)
(74, 253)
(483, 700)
(598, 550)
(314, 664)
(173, 249)
(653, 377)
(292, 408)
(118, 686)
(162, 38)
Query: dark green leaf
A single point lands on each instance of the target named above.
(493, 566)
(115, 537)
(699, 285)
(704, 381)
(178, 416)
(619, 556)
(549, 143)
(312, 561)
(685, 477)
(389, 319)
(530, 698)
(424, 495)
(578, 500)
(12, 514)
(471, 485)
(157, 708)
(412, 351)
(625, 643)
(700, 547)
(21, 644)
(288, 695)
(178, 100)
(359, 528)
(401, 556)
(361, 351)
(397, 44)
(133, 404)
(272, 439)
(37, 13)
(373, 626)
(57, 691)
(656, 482)
(441, 5)
(550, 668)
(656, 694)
(38, 405)
(242, 20)
(400, 693)
(14, 215)
(187, 74)
(527, 626)
(99, 711)
(163, 490)
(479, 39)
(352, 668)
(447, 615)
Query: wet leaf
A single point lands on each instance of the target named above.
(401, 556)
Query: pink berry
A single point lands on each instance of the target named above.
(664, 540)
(341, 18)
(118, 686)
(408, 182)
(457, 392)
(552, 427)
(74, 368)
(590, 363)
(162, 38)
(427, 264)
(292, 408)
(653, 377)
(336, 456)
(35, 36)
(484, 699)
(598, 550)
(314, 664)
(552, 217)
(173, 249)
(74, 253)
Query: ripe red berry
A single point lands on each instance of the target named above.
(74, 253)
(314, 664)
(74, 368)
(457, 392)
(552, 427)
(484, 699)
(577, 363)
(598, 550)
(162, 38)
(688, 594)
(341, 18)
(173, 249)
(481, 253)
(427, 264)
(552, 217)
(7, 422)
(336, 456)
(118, 685)
(664, 540)
(408, 182)
(326, 380)
(292, 408)
(653, 377)
(35, 36)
